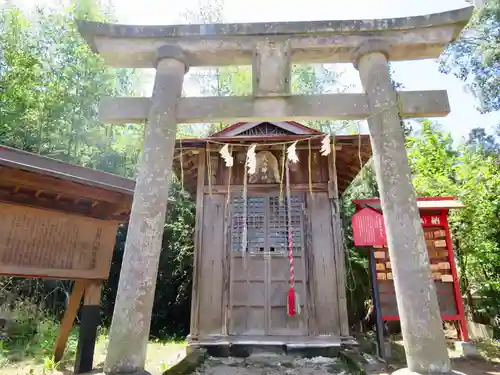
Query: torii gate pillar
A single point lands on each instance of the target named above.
(423, 336)
(136, 289)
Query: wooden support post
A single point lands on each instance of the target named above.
(129, 332)
(379, 324)
(195, 298)
(68, 319)
(338, 244)
(421, 325)
(91, 317)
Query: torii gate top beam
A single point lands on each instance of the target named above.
(409, 38)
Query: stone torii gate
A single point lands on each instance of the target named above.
(271, 48)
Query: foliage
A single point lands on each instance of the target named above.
(475, 57)
(31, 332)
(51, 84)
(472, 173)
(440, 167)
(314, 79)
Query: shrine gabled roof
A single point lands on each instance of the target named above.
(352, 151)
(291, 127)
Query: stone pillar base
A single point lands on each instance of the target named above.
(406, 371)
(466, 349)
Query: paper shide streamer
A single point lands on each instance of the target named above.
(291, 153)
(226, 155)
(326, 147)
(251, 162)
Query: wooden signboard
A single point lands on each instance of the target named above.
(442, 266)
(51, 244)
(368, 228)
(439, 258)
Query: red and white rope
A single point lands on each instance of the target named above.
(292, 297)
(290, 257)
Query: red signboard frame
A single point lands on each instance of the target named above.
(368, 228)
(365, 234)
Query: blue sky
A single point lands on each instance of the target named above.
(414, 75)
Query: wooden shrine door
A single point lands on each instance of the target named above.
(259, 276)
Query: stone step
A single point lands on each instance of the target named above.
(272, 364)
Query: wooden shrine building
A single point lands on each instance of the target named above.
(241, 271)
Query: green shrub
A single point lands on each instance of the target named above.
(31, 333)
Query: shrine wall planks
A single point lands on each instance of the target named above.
(241, 267)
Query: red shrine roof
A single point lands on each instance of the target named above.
(352, 151)
(425, 204)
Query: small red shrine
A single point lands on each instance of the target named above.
(369, 231)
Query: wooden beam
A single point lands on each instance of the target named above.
(222, 189)
(68, 319)
(415, 104)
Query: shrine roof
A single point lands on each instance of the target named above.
(333, 41)
(425, 204)
(38, 181)
(290, 127)
(352, 151)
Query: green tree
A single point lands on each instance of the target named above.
(473, 176)
(315, 79)
(52, 84)
(475, 57)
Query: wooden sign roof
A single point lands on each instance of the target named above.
(37, 181)
(424, 204)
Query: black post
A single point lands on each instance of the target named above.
(91, 317)
(376, 305)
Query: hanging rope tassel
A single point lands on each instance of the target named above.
(293, 303)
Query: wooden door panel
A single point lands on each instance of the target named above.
(256, 267)
(284, 325)
(245, 321)
(248, 294)
(280, 268)
(278, 291)
(280, 322)
(259, 291)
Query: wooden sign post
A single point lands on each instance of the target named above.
(59, 221)
(434, 218)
